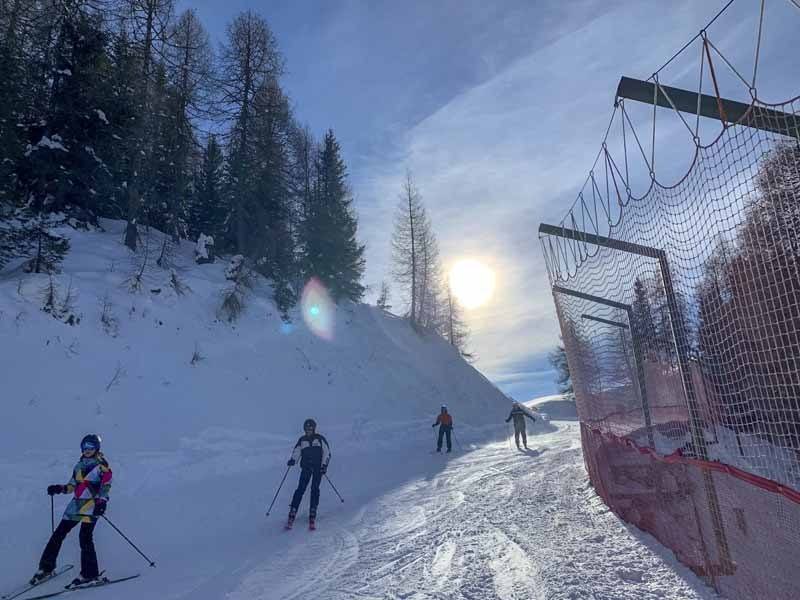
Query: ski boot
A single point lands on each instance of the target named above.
(40, 576)
(292, 515)
(439, 450)
(82, 581)
(449, 450)
(312, 520)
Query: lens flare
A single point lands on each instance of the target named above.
(318, 309)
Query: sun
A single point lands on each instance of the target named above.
(472, 283)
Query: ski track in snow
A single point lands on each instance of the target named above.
(493, 524)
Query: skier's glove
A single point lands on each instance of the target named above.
(323, 470)
(290, 463)
(99, 507)
(434, 425)
(52, 490)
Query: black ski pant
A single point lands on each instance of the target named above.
(88, 555)
(315, 477)
(520, 431)
(444, 431)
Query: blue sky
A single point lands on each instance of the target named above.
(498, 109)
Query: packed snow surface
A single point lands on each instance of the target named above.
(199, 416)
(486, 522)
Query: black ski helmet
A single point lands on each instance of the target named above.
(444, 407)
(310, 423)
(91, 440)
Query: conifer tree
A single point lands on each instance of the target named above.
(383, 301)
(405, 251)
(456, 331)
(208, 210)
(331, 251)
(248, 61)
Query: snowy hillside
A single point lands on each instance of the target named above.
(199, 449)
(258, 374)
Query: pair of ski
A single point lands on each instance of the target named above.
(100, 582)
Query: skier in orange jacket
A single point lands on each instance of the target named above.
(445, 423)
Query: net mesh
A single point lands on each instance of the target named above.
(685, 354)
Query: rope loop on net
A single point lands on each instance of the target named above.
(623, 188)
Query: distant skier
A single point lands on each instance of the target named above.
(314, 453)
(518, 414)
(90, 485)
(445, 423)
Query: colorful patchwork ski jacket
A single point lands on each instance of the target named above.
(91, 479)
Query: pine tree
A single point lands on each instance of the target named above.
(208, 210)
(249, 60)
(456, 330)
(187, 79)
(331, 251)
(14, 98)
(405, 251)
(148, 21)
(416, 265)
(432, 303)
(62, 167)
(268, 235)
(383, 301)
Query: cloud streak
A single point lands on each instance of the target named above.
(513, 151)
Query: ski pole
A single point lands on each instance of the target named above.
(334, 487)
(278, 491)
(460, 447)
(52, 516)
(152, 564)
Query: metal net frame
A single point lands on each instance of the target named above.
(680, 315)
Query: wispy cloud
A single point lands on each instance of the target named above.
(503, 156)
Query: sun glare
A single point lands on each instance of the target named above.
(472, 283)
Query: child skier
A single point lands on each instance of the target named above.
(518, 414)
(314, 454)
(445, 423)
(90, 486)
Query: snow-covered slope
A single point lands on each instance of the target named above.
(258, 374)
(198, 448)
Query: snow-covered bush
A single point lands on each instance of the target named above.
(204, 250)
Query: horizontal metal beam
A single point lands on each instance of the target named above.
(762, 118)
(605, 321)
(599, 240)
(591, 298)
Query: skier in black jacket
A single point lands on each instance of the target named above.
(518, 414)
(314, 454)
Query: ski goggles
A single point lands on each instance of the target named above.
(86, 447)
